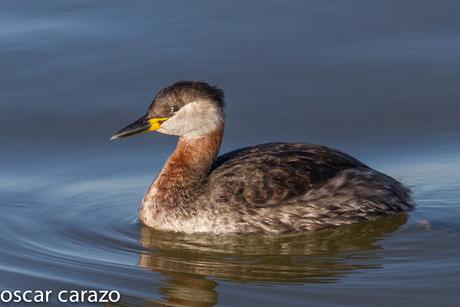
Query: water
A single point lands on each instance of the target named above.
(379, 81)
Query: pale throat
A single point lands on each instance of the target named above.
(195, 119)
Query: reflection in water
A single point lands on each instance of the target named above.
(324, 256)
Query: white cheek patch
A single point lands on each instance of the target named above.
(196, 118)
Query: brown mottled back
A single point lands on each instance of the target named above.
(273, 173)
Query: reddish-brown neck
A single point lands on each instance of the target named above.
(187, 167)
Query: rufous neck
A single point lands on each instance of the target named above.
(190, 162)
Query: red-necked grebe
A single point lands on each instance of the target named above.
(269, 188)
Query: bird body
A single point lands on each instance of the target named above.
(268, 188)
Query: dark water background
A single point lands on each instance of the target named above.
(377, 79)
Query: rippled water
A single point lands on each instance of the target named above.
(65, 232)
(380, 82)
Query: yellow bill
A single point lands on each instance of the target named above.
(141, 125)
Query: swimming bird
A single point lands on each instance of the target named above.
(269, 188)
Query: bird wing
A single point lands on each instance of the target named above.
(273, 173)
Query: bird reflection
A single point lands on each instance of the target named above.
(193, 264)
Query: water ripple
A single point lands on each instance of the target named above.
(86, 234)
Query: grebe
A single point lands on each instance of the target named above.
(269, 188)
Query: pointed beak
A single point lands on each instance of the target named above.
(141, 125)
